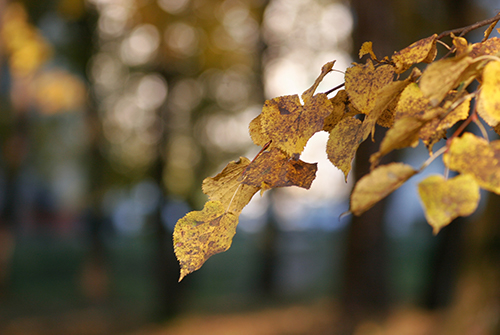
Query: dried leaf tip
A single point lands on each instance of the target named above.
(184, 273)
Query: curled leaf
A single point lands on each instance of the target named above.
(201, 234)
(378, 184)
(444, 200)
(423, 50)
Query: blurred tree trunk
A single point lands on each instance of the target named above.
(364, 293)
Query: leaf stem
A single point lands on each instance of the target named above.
(481, 128)
(435, 155)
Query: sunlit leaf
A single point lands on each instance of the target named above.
(489, 97)
(473, 155)
(226, 186)
(289, 124)
(444, 200)
(442, 76)
(420, 51)
(378, 184)
(201, 234)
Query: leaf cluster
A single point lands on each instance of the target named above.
(392, 92)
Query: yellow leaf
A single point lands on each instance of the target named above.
(201, 234)
(363, 82)
(442, 76)
(367, 48)
(343, 143)
(488, 47)
(437, 119)
(275, 169)
(404, 133)
(256, 134)
(386, 101)
(226, 186)
(470, 154)
(444, 200)
(489, 97)
(378, 184)
(412, 103)
(423, 50)
(289, 124)
(461, 44)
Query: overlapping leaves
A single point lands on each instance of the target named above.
(415, 106)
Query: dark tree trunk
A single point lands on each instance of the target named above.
(365, 280)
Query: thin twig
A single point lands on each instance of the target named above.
(465, 30)
(490, 29)
(335, 88)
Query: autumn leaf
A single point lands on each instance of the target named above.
(404, 133)
(201, 234)
(256, 134)
(444, 200)
(349, 133)
(340, 106)
(378, 184)
(386, 101)
(227, 188)
(442, 76)
(437, 120)
(423, 50)
(275, 169)
(367, 49)
(488, 47)
(446, 117)
(489, 97)
(461, 45)
(343, 143)
(287, 123)
(363, 82)
(470, 154)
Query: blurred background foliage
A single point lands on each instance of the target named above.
(112, 112)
